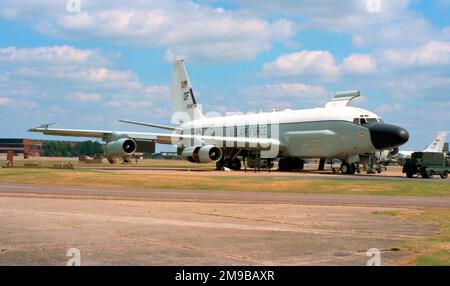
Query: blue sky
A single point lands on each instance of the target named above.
(112, 59)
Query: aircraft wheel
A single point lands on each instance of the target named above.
(112, 160)
(424, 174)
(346, 168)
(283, 165)
(430, 175)
(299, 164)
(219, 165)
(352, 169)
(235, 164)
(444, 175)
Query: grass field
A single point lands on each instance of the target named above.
(213, 181)
(49, 161)
(435, 250)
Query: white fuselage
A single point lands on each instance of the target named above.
(318, 132)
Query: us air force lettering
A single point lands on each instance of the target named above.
(337, 131)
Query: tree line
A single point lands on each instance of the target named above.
(71, 149)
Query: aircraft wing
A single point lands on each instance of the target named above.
(72, 132)
(106, 135)
(163, 138)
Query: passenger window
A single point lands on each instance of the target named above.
(363, 121)
(356, 120)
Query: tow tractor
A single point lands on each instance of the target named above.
(427, 164)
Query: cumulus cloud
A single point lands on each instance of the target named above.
(432, 53)
(319, 63)
(284, 94)
(304, 62)
(66, 63)
(51, 55)
(357, 63)
(183, 28)
(64, 74)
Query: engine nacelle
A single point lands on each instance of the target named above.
(205, 154)
(121, 148)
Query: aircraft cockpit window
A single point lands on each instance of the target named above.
(371, 120)
(363, 120)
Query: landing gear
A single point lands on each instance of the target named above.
(348, 169)
(322, 164)
(112, 160)
(289, 164)
(283, 165)
(220, 164)
(233, 164)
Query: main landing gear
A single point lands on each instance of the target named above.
(348, 169)
(233, 164)
(289, 164)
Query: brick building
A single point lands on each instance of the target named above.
(27, 147)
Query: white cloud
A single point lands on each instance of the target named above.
(283, 94)
(45, 80)
(357, 63)
(67, 63)
(319, 63)
(432, 53)
(84, 97)
(50, 55)
(183, 28)
(4, 101)
(304, 62)
(342, 16)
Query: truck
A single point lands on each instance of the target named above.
(427, 164)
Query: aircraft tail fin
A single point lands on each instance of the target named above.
(438, 143)
(184, 103)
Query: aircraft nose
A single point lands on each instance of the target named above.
(386, 136)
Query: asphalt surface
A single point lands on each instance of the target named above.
(305, 174)
(40, 229)
(8, 189)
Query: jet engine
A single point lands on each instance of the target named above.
(205, 154)
(122, 147)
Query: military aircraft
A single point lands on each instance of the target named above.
(336, 130)
(396, 155)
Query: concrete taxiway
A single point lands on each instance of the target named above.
(220, 196)
(173, 227)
